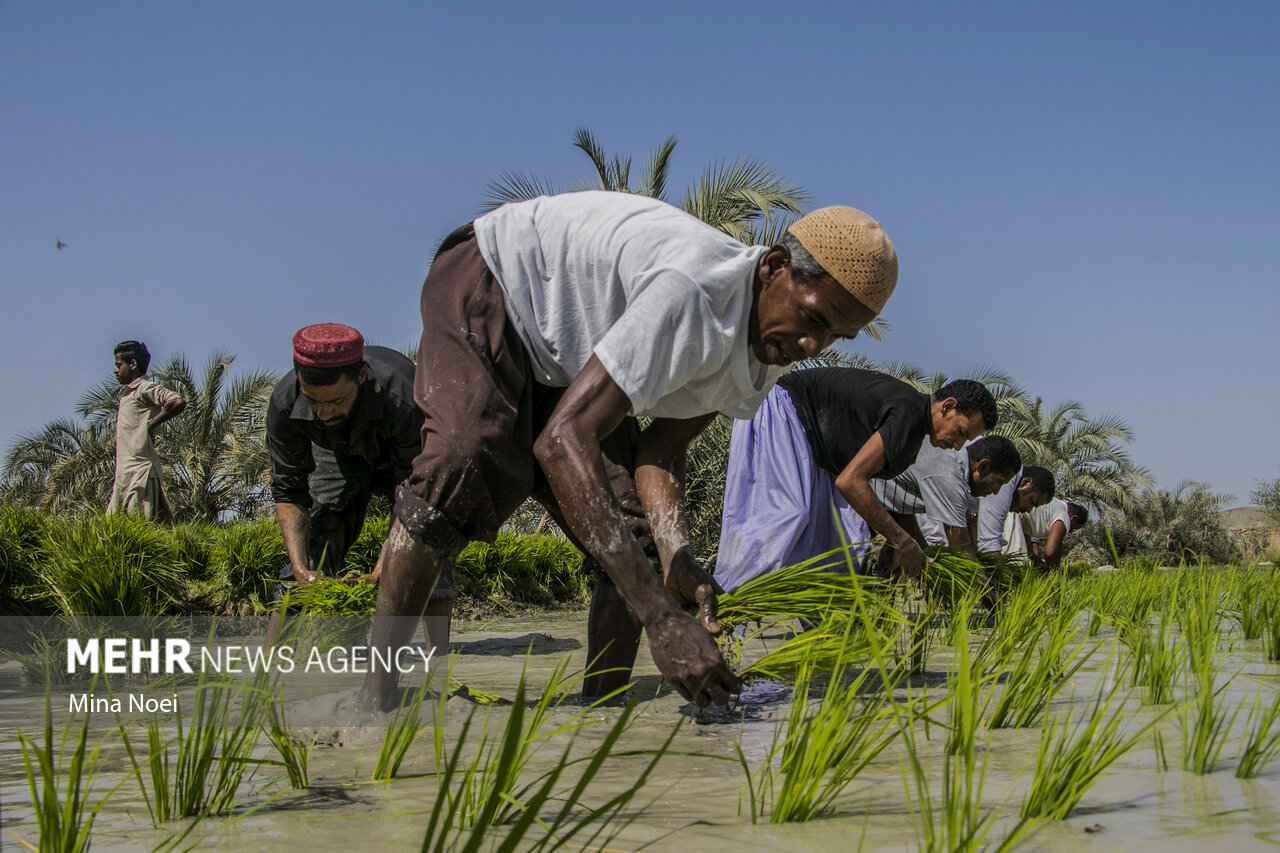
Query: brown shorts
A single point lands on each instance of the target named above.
(483, 411)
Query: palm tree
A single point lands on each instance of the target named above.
(65, 467)
(214, 454)
(1085, 454)
(1166, 526)
(744, 198)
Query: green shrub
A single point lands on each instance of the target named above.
(363, 553)
(110, 566)
(246, 561)
(541, 570)
(193, 549)
(22, 533)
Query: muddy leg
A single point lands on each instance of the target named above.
(435, 627)
(409, 573)
(613, 638)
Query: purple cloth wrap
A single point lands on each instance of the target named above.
(778, 504)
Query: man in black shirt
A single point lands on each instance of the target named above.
(341, 427)
(812, 450)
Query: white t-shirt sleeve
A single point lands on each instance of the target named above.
(991, 514)
(667, 336)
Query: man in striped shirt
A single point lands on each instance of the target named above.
(942, 483)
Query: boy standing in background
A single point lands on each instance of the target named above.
(144, 405)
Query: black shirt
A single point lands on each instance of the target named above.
(382, 434)
(840, 409)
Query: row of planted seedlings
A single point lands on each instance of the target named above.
(514, 773)
(854, 703)
(853, 696)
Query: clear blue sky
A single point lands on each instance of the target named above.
(1085, 194)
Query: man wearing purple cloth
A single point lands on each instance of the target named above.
(800, 470)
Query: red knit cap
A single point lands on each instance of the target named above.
(328, 345)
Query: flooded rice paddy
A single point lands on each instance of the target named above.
(696, 799)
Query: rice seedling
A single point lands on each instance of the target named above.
(199, 770)
(61, 779)
(527, 731)
(1020, 623)
(295, 756)
(1248, 596)
(968, 696)
(1071, 758)
(475, 798)
(402, 730)
(1155, 658)
(953, 820)
(1270, 611)
(1205, 726)
(1037, 674)
(819, 755)
(493, 788)
(1262, 739)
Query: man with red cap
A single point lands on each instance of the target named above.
(545, 325)
(342, 426)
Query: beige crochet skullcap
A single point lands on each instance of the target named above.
(854, 249)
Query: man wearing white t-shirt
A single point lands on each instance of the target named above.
(545, 325)
(1040, 533)
(1032, 487)
(942, 483)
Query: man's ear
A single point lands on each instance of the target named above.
(778, 257)
(948, 405)
(981, 467)
(364, 373)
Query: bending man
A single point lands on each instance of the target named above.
(810, 453)
(342, 426)
(943, 484)
(545, 324)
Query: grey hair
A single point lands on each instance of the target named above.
(804, 268)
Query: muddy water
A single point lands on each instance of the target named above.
(694, 800)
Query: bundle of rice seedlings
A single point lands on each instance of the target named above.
(954, 575)
(334, 596)
(808, 591)
(244, 566)
(855, 636)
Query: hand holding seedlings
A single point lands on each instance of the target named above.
(691, 585)
(688, 658)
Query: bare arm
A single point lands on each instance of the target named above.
(169, 410)
(660, 475)
(295, 528)
(569, 452)
(854, 483)
(958, 538)
(1053, 545)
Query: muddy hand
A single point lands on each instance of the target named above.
(690, 584)
(688, 658)
(909, 559)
